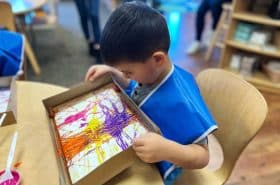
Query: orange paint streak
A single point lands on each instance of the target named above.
(73, 145)
(17, 164)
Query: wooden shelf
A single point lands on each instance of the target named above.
(253, 49)
(261, 81)
(241, 12)
(255, 18)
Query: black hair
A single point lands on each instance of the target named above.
(133, 32)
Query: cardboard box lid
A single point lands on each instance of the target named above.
(9, 84)
(114, 165)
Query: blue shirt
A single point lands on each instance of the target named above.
(175, 105)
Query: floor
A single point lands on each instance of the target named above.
(260, 162)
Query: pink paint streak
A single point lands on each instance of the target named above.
(75, 117)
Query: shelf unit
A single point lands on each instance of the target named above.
(241, 13)
(253, 49)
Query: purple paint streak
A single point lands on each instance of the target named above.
(83, 125)
(115, 122)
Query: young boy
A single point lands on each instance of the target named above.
(134, 45)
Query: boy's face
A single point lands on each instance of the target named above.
(143, 72)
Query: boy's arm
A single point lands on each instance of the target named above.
(98, 70)
(154, 148)
(192, 156)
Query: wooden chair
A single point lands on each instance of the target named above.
(239, 109)
(7, 20)
(220, 31)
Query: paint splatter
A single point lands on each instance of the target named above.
(18, 164)
(4, 99)
(94, 128)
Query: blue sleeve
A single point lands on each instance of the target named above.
(11, 53)
(173, 176)
(130, 88)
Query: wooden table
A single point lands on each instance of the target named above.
(21, 7)
(35, 149)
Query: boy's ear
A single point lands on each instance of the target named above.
(159, 57)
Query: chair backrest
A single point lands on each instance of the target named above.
(6, 16)
(238, 108)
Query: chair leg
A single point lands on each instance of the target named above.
(215, 37)
(31, 57)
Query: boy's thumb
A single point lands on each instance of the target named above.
(138, 142)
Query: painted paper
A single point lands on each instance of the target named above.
(4, 99)
(94, 128)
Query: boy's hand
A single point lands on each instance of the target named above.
(150, 147)
(97, 70)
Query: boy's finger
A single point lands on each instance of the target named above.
(89, 74)
(92, 78)
(139, 153)
(87, 77)
(138, 148)
(138, 142)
